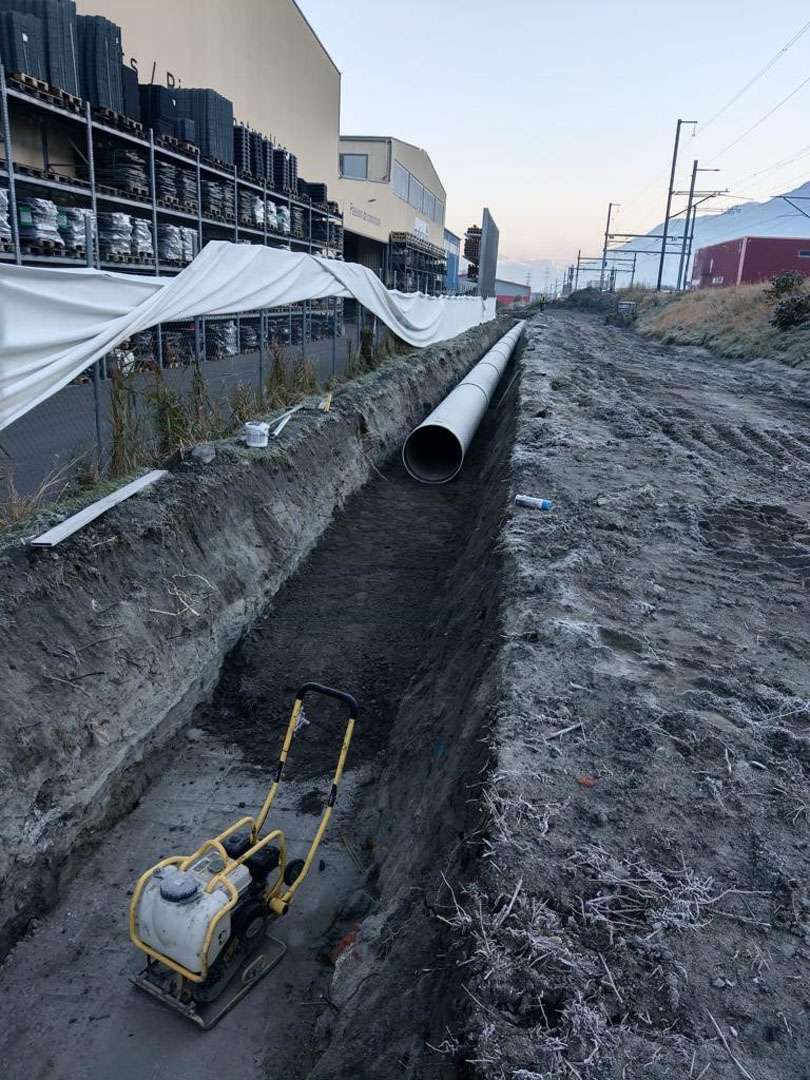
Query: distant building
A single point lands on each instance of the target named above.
(506, 292)
(452, 250)
(510, 292)
(749, 259)
(393, 206)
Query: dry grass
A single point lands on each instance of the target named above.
(17, 506)
(733, 322)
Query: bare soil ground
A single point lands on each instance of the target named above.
(642, 906)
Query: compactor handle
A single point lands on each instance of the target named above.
(328, 691)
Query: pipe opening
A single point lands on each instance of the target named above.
(432, 454)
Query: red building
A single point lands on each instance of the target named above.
(506, 292)
(749, 259)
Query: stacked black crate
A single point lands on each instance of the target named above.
(298, 223)
(158, 108)
(316, 192)
(165, 182)
(186, 188)
(267, 159)
(212, 202)
(119, 167)
(228, 201)
(132, 101)
(185, 130)
(57, 31)
(213, 121)
(293, 173)
(101, 62)
(282, 180)
(241, 148)
(22, 44)
(257, 159)
(246, 207)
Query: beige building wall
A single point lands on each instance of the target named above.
(371, 207)
(262, 54)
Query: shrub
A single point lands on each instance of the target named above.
(784, 284)
(246, 403)
(169, 416)
(791, 310)
(127, 450)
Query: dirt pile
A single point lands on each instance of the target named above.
(642, 906)
(112, 639)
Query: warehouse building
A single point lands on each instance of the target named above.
(244, 104)
(393, 205)
(261, 54)
(749, 259)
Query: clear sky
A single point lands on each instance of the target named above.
(544, 111)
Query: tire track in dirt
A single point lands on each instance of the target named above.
(651, 794)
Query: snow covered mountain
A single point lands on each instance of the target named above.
(775, 217)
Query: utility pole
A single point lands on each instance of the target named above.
(576, 277)
(686, 222)
(669, 200)
(605, 246)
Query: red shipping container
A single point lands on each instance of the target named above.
(749, 259)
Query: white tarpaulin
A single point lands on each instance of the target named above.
(55, 323)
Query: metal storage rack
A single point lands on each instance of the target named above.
(415, 263)
(322, 231)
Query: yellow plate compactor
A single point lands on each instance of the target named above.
(203, 918)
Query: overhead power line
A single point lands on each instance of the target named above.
(732, 101)
(755, 78)
(762, 119)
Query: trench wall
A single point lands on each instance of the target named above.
(110, 640)
(398, 988)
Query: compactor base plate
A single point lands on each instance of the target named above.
(176, 992)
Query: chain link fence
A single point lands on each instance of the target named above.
(176, 384)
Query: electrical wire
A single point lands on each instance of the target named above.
(762, 119)
(732, 101)
(776, 165)
(755, 78)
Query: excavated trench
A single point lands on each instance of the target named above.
(397, 604)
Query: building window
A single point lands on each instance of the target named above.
(401, 178)
(354, 166)
(408, 188)
(804, 254)
(415, 192)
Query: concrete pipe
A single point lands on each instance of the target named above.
(434, 452)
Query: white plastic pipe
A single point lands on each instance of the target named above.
(434, 452)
